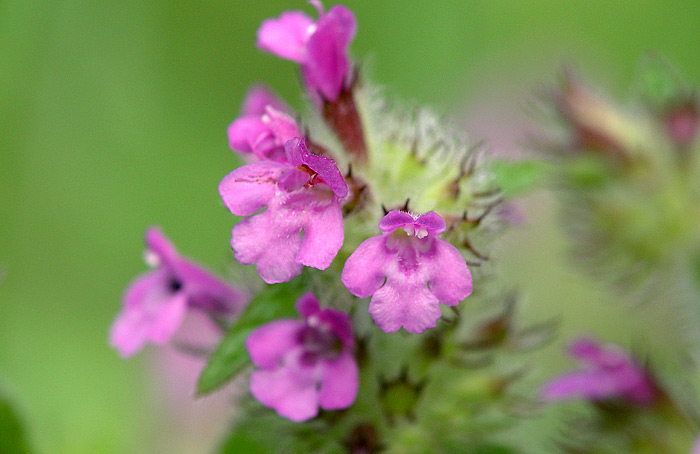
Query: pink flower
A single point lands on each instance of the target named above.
(321, 47)
(156, 302)
(264, 127)
(302, 195)
(608, 373)
(304, 364)
(408, 271)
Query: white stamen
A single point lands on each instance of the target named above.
(421, 233)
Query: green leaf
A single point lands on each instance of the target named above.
(515, 178)
(12, 438)
(242, 440)
(230, 357)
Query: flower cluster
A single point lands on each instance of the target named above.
(367, 220)
(318, 205)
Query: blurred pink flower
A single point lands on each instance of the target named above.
(156, 302)
(608, 373)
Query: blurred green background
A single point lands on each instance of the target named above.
(113, 118)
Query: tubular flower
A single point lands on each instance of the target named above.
(608, 373)
(155, 303)
(408, 271)
(304, 364)
(264, 126)
(321, 47)
(304, 194)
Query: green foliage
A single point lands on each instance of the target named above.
(12, 436)
(241, 440)
(493, 449)
(516, 178)
(230, 357)
(658, 83)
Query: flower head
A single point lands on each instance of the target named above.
(303, 221)
(264, 126)
(608, 373)
(156, 302)
(304, 364)
(320, 47)
(408, 271)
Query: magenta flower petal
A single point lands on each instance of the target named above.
(250, 188)
(395, 219)
(327, 64)
(286, 36)
(207, 292)
(584, 384)
(308, 305)
(408, 271)
(321, 48)
(268, 344)
(270, 240)
(129, 333)
(151, 313)
(303, 222)
(323, 237)
(607, 373)
(155, 303)
(364, 271)
(168, 319)
(244, 132)
(258, 98)
(290, 390)
(449, 279)
(339, 382)
(304, 364)
(160, 246)
(282, 126)
(586, 349)
(298, 154)
(406, 302)
(433, 223)
(264, 127)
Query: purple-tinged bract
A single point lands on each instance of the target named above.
(264, 126)
(321, 47)
(156, 302)
(408, 271)
(304, 364)
(302, 224)
(608, 373)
